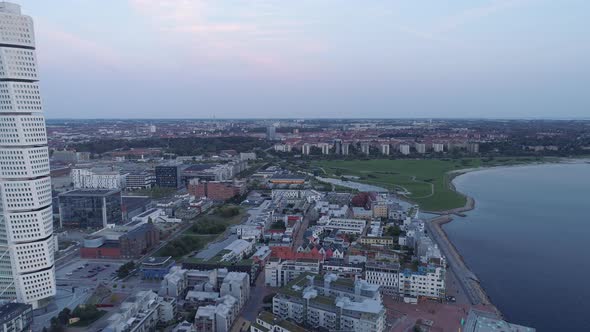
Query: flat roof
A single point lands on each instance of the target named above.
(153, 261)
(147, 213)
(10, 310)
(90, 192)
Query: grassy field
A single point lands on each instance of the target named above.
(206, 228)
(426, 182)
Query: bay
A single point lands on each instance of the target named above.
(528, 241)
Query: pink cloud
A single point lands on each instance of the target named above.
(240, 35)
(72, 48)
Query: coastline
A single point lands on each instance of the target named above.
(468, 280)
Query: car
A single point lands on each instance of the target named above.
(69, 274)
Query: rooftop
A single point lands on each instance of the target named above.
(154, 261)
(10, 310)
(90, 192)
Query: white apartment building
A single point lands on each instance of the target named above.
(428, 281)
(384, 274)
(245, 156)
(236, 284)
(174, 283)
(438, 147)
(248, 231)
(345, 225)
(385, 149)
(331, 303)
(282, 147)
(420, 147)
(404, 149)
(142, 312)
(95, 179)
(278, 273)
(27, 244)
(305, 149)
(218, 317)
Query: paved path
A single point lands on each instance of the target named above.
(468, 281)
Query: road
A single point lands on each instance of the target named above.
(468, 281)
(257, 294)
(298, 240)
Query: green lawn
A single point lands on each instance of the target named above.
(426, 181)
(192, 240)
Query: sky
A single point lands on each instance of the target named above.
(313, 58)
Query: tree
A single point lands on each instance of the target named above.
(125, 269)
(394, 231)
(64, 316)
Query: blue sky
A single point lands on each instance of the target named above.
(313, 58)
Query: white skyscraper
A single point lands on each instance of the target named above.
(27, 244)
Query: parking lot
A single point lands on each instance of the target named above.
(87, 271)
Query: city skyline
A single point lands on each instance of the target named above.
(205, 59)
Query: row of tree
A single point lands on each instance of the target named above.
(182, 146)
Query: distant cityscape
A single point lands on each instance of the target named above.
(242, 225)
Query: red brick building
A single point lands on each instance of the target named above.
(107, 251)
(215, 190)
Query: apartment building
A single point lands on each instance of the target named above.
(331, 303)
(278, 273)
(384, 274)
(427, 280)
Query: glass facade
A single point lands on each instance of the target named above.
(90, 209)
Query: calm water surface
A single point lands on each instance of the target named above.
(528, 241)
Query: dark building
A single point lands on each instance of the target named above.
(16, 317)
(138, 241)
(133, 206)
(168, 176)
(90, 208)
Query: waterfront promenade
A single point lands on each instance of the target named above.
(467, 279)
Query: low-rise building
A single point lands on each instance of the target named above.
(347, 226)
(156, 267)
(219, 317)
(484, 321)
(16, 317)
(236, 284)
(343, 269)
(278, 273)
(84, 178)
(377, 240)
(216, 190)
(142, 312)
(267, 322)
(236, 251)
(175, 283)
(331, 303)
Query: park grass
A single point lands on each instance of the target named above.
(426, 181)
(217, 218)
(191, 241)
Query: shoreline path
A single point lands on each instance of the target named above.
(466, 278)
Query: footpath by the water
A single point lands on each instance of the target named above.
(466, 278)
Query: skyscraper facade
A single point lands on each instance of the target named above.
(27, 245)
